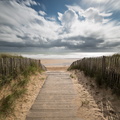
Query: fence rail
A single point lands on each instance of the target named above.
(106, 70)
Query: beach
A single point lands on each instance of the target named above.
(57, 64)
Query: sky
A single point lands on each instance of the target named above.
(57, 27)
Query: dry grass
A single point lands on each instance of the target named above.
(95, 103)
(5, 55)
(23, 103)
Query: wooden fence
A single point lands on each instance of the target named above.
(9, 66)
(106, 70)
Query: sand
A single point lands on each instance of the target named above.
(95, 103)
(24, 103)
(57, 62)
(88, 109)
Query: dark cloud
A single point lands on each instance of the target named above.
(89, 44)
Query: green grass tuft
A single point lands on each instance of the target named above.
(7, 103)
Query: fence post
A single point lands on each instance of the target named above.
(103, 67)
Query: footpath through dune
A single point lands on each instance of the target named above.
(63, 97)
(56, 100)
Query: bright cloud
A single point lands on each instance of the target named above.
(94, 31)
(77, 28)
(94, 15)
(67, 19)
(69, 55)
(104, 4)
(25, 24)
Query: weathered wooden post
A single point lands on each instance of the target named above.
(0, 66)
(40, 64)
(103, 68)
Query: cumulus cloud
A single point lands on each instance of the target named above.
(94, 15)
(67, 19)
(23, 28)
(93, 32)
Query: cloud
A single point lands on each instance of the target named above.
(91, 13)
(94, 32)
(24, 29)
(68, 55)
(75, 8)
(27, 2)
(42, 13)
(94, 15)
(51, 18)
(67, 19)
(109, 5)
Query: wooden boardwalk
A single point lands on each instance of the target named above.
(55, 100)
